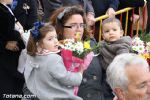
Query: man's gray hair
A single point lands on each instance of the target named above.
(116, 76)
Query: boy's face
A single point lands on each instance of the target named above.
(112, 31)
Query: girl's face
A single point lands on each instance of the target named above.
(112, 31)
(74, 25)
(50, 42)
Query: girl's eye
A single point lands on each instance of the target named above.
(115, 29)
(50, 39)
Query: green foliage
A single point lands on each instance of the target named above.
(144, 36)
(96, 48)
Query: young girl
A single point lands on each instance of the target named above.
(45, 73)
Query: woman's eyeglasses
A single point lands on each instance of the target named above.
(75, 26)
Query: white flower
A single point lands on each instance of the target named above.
(79, 47)
(148, 46)
(70, 44)
(138, 45)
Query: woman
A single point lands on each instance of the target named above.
(11, 45)
(68, 22)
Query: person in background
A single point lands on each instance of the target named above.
(102, 7)
(49, 6)
(56, 83)
(129, 77)
(131, 3)
(69, 21)
(40, 10)
(114, 43)
(25, 12)
(11, 45)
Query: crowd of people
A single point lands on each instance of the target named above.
(111, 72)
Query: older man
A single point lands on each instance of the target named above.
(129, 77)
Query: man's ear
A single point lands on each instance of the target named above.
(120, 93)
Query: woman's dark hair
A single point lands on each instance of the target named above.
(33, 42)
(61, 15)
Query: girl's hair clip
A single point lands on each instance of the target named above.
(35, 30)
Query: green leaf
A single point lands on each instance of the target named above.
(145, 37)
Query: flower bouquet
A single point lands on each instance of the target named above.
(75, 53)
(142, 48)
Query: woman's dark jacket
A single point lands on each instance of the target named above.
(91, 86)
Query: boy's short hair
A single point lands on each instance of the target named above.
(112, 19)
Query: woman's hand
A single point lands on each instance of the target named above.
(12, 45)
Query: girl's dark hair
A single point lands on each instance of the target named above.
(61, 15)
(32, 43)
